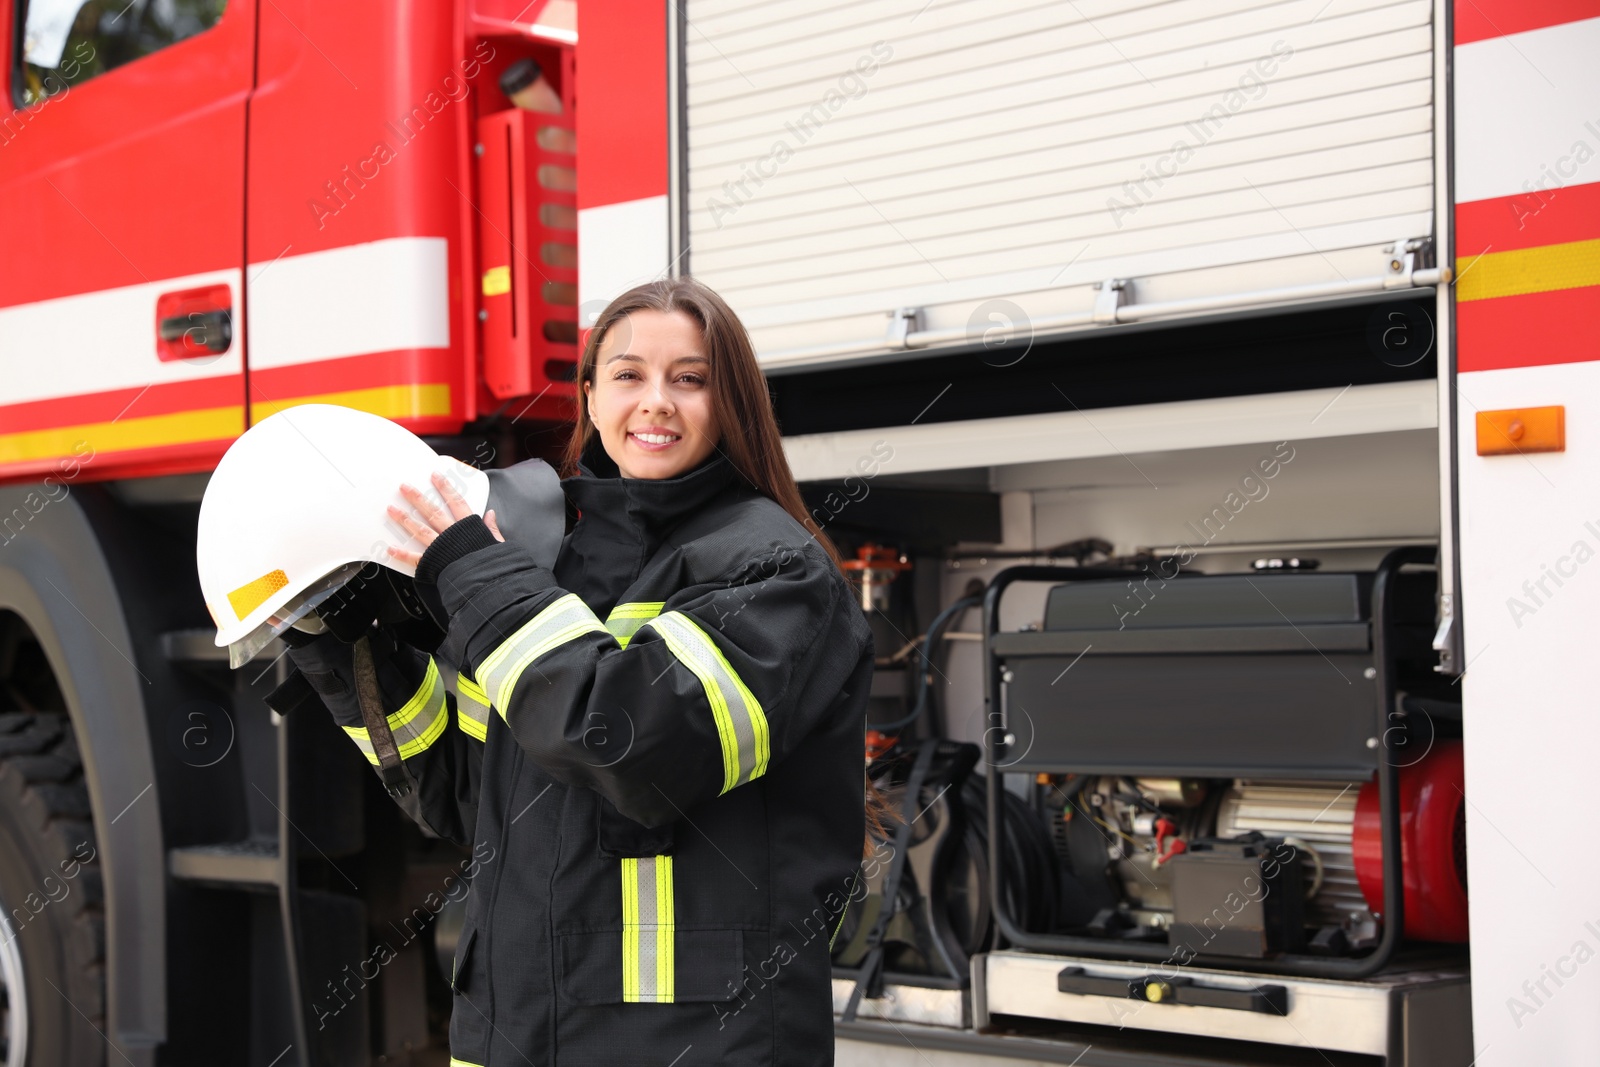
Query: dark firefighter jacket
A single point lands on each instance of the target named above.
(661, 739)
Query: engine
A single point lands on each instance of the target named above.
(1143, 825)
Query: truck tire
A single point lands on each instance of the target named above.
(52, 920)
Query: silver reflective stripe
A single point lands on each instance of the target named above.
(563, 620)
(648, 931)
(741, 724)
(416, 725)
(472, 710)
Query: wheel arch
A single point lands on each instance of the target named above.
(56, 578)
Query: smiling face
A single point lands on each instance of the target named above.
(651, 396)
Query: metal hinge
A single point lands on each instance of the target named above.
(1108, 299)
(1407, 255)
(902, 321)
(1444, 638)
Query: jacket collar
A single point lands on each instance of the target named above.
(642, 509)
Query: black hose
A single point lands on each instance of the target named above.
(1032, 870)
(922, 700)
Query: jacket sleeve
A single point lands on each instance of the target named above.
(664, 705)
(439, 736)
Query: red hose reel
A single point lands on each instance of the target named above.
(1433, 845)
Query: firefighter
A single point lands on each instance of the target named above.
(654, 745)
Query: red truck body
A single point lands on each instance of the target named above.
(309, 169)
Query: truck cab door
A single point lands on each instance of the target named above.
(122, 169)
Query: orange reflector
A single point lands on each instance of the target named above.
(1517, 430)
(247, 598)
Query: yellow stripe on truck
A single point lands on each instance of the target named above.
(213, 424)
(1572, 265)
(122, 435)
(390, 401)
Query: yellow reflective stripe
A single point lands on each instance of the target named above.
(1543, 269)
(625, 619)
(461, 1063)
(416, 725)
(472, 710)
(649, 966)
(630, 929)
(467, 687)
(467, 717)
(251, 595)
(562, 621)
(741, 724)
(641, 609)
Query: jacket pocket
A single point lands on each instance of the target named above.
(462, 970)
(699, 966)
(469, 1021)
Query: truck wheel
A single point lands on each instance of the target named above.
(52, 926)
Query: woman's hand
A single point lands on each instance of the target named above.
(433, 521)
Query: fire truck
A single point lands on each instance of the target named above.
(1191, 384)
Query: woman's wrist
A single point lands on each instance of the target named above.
(459, 540)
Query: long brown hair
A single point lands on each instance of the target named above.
(750, 438)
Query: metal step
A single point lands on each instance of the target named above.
(1391, 1015)
(232, 865)
(199, 648)
(907, 1003)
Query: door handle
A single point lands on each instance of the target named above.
(199, 332)
(1267, 999)
(194, 323)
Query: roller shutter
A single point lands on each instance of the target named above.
(984, 160)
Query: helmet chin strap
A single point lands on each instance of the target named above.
(368, 695)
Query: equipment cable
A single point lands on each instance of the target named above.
(923, 701)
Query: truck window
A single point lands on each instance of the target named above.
(66, 42)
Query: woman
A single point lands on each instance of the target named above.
(662, 737)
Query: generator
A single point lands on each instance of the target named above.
(1254, 785)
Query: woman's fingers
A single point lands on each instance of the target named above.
(412, 526)
(431, 512)
(494, 527)
(429, 520)
(404, 556)
(459, 508)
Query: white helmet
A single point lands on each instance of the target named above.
(296, 507)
